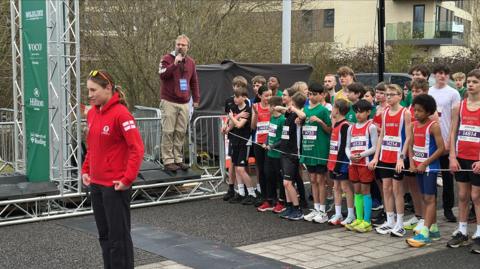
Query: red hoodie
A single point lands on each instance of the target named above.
(115, 148)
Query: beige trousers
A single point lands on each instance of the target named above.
(174, 129)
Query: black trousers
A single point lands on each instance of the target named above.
(260, 156)
(273, 172)
(448, 194)
(111, 209)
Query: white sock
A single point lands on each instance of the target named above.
(241, 189)
(338, 210)
(390, 218)
(258, 188)
(316, 206)
(251, 191)
(351, 213)
(477, 233)
(462, 227)
(399, 220)
(322, 208)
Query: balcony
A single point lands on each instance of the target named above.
(426, 34)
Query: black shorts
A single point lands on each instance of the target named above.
(388, 173)
(290, 167)
(407, 166)
(239, 155)
(467, 176)
(338, 176)
(316, 169)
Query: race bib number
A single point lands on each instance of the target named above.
(358, 143)
(334, 147)
(420, 154)
(391, 143)
(272, 130)
(183, 85)
(309, 132)
(469, 133)
(285, 131)
(262, 127)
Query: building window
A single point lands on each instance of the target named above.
(418, 21)
(329, 18)
(307, 21)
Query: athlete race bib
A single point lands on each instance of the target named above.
(285, 131)
(391, 143)
(309, 132)
(333, 147)
(420, 154)
(262, 127)
(469, 133)
(358, 143)
(272, 130)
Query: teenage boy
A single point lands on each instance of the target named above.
(274, 202)
(260, 122)
(459, 79)
(390, 153)
(355, 92)
(240, 130)
(257, 82)
(361, 144)
(346, 76)
(446, 98)
(315, 147)
(274, 85)
(290, 165)
(464, 155)
(337, 159)
(419, 86)
(237, 83)
(424, 150)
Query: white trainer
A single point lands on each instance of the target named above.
(347, 220)
(321, 217)
(311, 215)
(384, 229)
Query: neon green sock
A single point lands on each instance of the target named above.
(424, 231)
(359, 205)
(434, 228)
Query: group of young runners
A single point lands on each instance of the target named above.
(355, 140)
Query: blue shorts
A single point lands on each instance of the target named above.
(427, 183)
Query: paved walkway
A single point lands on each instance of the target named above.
(337, 248)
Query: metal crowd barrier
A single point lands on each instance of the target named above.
(7, 147)
(208, 148)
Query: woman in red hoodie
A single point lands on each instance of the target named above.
(115, 153)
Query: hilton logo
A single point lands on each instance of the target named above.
(36, 92)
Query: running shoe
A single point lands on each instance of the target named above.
(296, 214)
(321, 217)
(458, 240)
(335, 220)
(248, 200)
(398, 232)
(411, 223)
(376, 205)
(435, 235)
(266, 206)
(286, 212)
(351, 226)
(310, 216)
(279, 208)
(229, 195)
(347, 220)
(419, 226)
(363, 227)
(380, 219)
(237, 199)
(418, 241)
(475, 248)
(384, 229)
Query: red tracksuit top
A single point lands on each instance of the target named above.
(115, 148)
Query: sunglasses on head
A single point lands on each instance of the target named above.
(94, 73)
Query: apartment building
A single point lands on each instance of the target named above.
(437, 28)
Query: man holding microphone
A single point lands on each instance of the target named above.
(179, 84)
